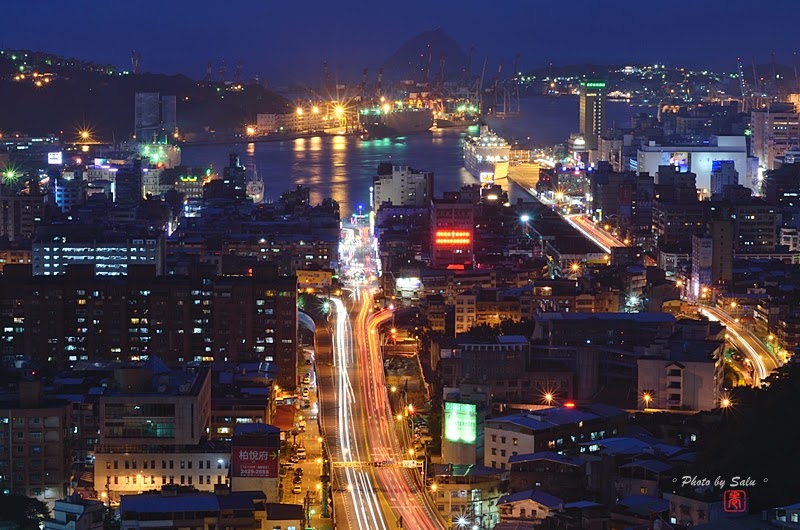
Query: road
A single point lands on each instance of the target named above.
(586, 227)
(746, 342)
(355, 414)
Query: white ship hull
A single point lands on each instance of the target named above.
(255, 191)
(486, 157)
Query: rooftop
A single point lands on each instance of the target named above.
(557, 416)
(547, 455)
(538, 496)
(187, 502)
(647, 317)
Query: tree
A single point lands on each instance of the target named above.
(25, 511)
(757, 438)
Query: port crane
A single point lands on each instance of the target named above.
(506, 102)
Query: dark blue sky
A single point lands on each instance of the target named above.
(285, 41)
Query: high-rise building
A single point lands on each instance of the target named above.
(452, 229)
(110, 252)
(153, 429)
(234, 177)
(155, 117)
(712, 258)
(775, 131)
(34, 460)
(401, 186)
(20, 214)
(68, 191)
(723, 173)
(82, 315)
(592, 112)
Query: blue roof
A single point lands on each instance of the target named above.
(644, 504)
(581, 504)
(629, 445)
(156, 365)
(189, 502)
(68, 380)
(255, 428)
(656, 466)
(554, 416)
(649, 317)
(157, 503)
(547, 455)
(541, 497)
(511, 339)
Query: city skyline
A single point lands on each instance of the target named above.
(175, 39)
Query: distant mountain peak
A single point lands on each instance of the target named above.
(423, 50)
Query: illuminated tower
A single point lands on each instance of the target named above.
(592, 112)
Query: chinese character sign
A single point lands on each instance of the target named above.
(734, 501)
(256, 462)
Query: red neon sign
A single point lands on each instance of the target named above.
(453, 237)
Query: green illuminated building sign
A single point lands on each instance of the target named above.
(461, 422)
(594, 84)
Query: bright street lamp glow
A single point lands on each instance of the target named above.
(462, 522)
(525, 218)
(299, 111)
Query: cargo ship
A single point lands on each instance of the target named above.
(486, 156)
(384, 122)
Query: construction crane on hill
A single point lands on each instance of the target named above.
(136, 62)
(222, 72)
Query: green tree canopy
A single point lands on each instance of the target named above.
(25, 511)
(758, 437)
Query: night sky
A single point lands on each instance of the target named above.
(286, 41)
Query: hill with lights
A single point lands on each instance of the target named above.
(44, 93)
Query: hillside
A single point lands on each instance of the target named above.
(412, 56)
(103, 101)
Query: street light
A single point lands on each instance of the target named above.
(647, 398)
(524, 218)
(725, 402)
(462, 522)
(548, 398)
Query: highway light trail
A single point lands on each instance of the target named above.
(603, 242)
(747, 344)
(403, 485)
(358, 483)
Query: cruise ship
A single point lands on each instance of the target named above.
(384, 122)
(486, 156)
(255, 188)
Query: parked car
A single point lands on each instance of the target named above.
(297, 489)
